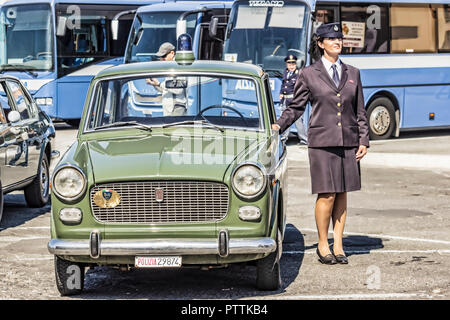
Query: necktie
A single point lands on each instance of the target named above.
(335, 75)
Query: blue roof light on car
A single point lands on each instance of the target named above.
(184, 50)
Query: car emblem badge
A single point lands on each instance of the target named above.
(159, 194)
(106, 198)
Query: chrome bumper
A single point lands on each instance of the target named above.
(160, 247)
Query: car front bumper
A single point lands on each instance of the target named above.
(222, 247)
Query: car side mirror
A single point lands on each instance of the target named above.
(14, 116)
(61, 28)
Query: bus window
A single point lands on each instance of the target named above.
(365, 28)
(324, 15)
(413, 28)
(443, 16)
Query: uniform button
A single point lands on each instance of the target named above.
(339, 104)
(339, 114)
(338, 94)
(339, 124)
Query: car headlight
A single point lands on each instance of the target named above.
(248, 180)
(69, 183)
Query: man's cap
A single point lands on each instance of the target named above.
(164, 49)
(290, 58)
(330, 30)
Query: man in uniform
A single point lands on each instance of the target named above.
(287, 93)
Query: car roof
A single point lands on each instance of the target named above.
(198, 66)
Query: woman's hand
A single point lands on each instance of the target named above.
(362, 151)
(275, 127)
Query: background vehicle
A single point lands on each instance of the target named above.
(264, 33)
(25, 144)
(403, 51)
(223, 170)
(158, 23)
(55, 47)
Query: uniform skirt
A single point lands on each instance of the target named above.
(334, 169)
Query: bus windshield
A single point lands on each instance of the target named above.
(26, 31)
(264, 34)
(84, 36)
(150, 30)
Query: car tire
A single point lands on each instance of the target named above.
(381, 118)
(1, 202)
(37, 193)
(268, 275)
(69, 277)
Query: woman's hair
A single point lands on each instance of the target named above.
(315, 51)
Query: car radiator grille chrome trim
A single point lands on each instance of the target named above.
(183, 201)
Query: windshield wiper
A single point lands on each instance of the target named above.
(274, 72)
(124, 124)
(17, 67)
(202, 122)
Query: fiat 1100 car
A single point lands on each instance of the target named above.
(198, 181)
(25, 144)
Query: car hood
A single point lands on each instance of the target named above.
(166, 157)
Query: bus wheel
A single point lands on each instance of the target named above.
(381, 117)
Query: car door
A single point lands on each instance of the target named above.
(23, 141)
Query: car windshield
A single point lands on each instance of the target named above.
(26, 32)
(265, 35)
(150, 30)
(172, 100)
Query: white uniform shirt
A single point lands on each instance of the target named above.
(329, 69)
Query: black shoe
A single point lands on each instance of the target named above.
(342, 259)
(328, 259)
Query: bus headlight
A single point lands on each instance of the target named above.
(248, 180)
(69, 183)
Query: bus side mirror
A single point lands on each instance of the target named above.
(115, 29)
(61, 28)
(181, 27)
(213, 27)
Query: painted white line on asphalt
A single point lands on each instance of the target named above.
(312, 251)
(385, 236)
(27, 228)
(15, 239)
(407, 160)
(355, 296)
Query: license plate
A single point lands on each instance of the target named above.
(158, 262)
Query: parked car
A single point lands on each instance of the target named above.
(204, 186)
(25, 144)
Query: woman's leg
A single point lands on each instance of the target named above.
(323, 211)
(339, 215)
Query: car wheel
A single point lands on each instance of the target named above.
(381, 117)
(37, 193)
(69, 277)
(1, 201)
(268, 275)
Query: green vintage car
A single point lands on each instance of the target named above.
(175, 164)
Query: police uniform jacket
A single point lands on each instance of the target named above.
(338, 117)
(288, 82)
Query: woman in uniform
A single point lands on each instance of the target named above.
(337, 136)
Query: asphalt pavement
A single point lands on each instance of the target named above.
(397, 238)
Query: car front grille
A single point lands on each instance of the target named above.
(182, 201)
